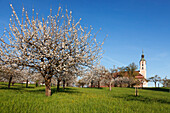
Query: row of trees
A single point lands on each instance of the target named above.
(117, 77)
(10, 75)
(156, 79)
(56, 47)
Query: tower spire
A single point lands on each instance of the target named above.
(142, 56)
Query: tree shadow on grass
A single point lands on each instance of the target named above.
(28, 87)
(11, 88)
(95, 87)
(36, 90)
(15, 87)
(157, 89)
(54, 90)
(5, 84)
(41, 89)
(143, 99)
(19, 88)
(66, 90)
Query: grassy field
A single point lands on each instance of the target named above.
(19, 99)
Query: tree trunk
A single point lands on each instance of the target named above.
(27, 84)
(64, 84)
(12, 83)
(36, 84)
(48, 87)
(10, 79)
(82, 86)
(91, 84)
(129, 85)
(121, 84)
(58, 85)
(98, 84)
(110, 86)
(155, 84)
(136, 91)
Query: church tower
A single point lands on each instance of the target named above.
(143, 68)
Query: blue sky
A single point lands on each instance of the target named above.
(131, 25)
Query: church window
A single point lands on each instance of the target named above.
(142, 67)
(142, 64)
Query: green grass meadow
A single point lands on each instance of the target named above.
(19, 99)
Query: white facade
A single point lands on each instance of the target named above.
(143, 69)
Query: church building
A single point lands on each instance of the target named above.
(139, 75)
